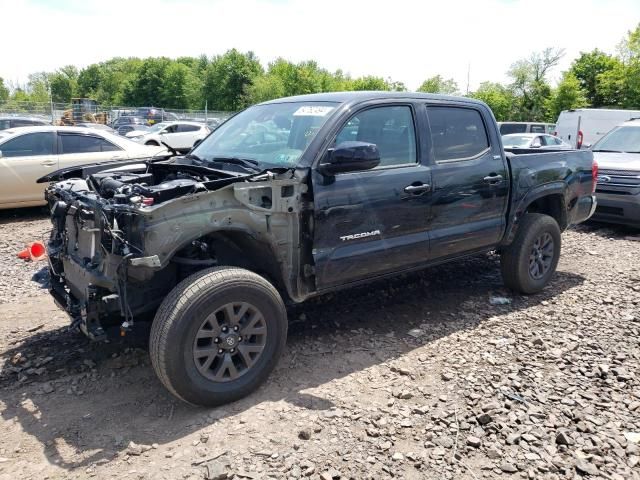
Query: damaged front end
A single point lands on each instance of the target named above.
(121, 240)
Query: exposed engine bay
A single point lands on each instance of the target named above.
(121, 239)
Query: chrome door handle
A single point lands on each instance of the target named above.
(424, 187)
(48, 163)
(493, 179)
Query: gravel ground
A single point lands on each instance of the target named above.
(441, 375)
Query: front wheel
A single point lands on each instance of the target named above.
(531, 260)
(218, 335)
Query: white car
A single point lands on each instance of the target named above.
(28, 153)
(534, 140)
(180, 135)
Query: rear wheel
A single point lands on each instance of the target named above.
(531, 260)
(218, 335)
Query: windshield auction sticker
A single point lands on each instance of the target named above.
(312, 111)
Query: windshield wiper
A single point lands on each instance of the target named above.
(246, 163)
(194, 157)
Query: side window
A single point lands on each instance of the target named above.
(4, 124)
(107, 146)
(538, 129)
(85, 144)
(188, 128)
(457, 133)
(40, 143)
(390, 128)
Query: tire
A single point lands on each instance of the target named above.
(524, 270)
(194, 315)
(153, 143)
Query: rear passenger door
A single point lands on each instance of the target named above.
(470, 180)
(186, 135)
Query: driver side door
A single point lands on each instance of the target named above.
(368, 223)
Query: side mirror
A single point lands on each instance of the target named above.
(196, 143)
(350, 157)
(586, 145)
(536, 145)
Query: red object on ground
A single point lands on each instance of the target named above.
(35, 251)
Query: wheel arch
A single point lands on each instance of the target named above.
(548, 199)
(239, 248)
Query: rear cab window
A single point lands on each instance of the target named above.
(457, 133)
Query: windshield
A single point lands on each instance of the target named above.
(273, 135)
(157, 127)
(620, 139)
(516, 141)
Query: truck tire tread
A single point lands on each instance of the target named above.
(514, 259)
(204, 282)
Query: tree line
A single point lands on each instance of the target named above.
(235, 79)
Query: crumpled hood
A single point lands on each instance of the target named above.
(617, 160)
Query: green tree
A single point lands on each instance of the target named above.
(227, 79)
(569, 94)
(4, 91)
(263, 88)
(500, 99)
(530, 85)
(437, 84)
(148, 84)
(180, 88)
(587, 68)
(370, 83)
(64, 84)
(38, 87)
(89, 81)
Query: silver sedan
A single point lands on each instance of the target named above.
(534, 140)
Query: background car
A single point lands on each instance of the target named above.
(124, 129)
(583, 127)
(127, 120)
(13, 122)
(28, 153)
(618, 187)
(533, 140)
(154, 115)
(97, 126)
(178, 135)
(507, 128)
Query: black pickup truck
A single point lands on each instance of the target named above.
(290, 199)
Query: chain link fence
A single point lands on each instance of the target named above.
(82, 110)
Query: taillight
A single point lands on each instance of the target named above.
(579, 140)
(594, 176)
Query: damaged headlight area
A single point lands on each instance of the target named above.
(100, 272)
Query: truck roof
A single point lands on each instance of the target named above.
(362, 96)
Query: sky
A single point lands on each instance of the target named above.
(406, 40)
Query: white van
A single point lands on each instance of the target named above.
(583, 127)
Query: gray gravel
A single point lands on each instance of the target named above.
(17, 230)
(423, 376)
